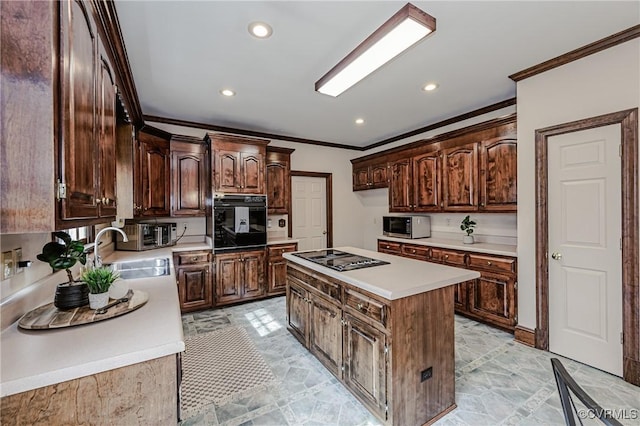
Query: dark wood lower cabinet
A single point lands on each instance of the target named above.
(193, 274)
(351, 332)
(239, 276)
(491, 299)
(277, 267)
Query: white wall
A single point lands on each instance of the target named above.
(601, 83)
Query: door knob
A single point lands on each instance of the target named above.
(556, 255)
(324, 232)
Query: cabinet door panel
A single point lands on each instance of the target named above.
(426, 181)
(277, 276)
(492, 297)
(227, 171)
(252, 174)
(253, 274)
(461, 178)
(498, 175)
(194, 287)
(365, 367)
(400, 186)
(107, 138)
(325, 340)
(155, 181)
(298, 312)
(79, 148)
(361, 179)
(228, 275)
(379, 176)
(189, 184)
(460, 296)
(277, 188)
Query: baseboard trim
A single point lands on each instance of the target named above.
(631, 371)
(524, 335)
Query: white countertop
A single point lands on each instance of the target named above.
(281, 240)
(33, 359)
(489, 248)
(402, 277)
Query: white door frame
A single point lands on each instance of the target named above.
(329, 201)
(628, 121)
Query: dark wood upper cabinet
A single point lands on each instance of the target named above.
(88, 142)
(153, 197)
(189, 182)
(278, 180)
(401, 186)
(238, 164)
(460, 181)
(498, 174)
(427, 177)
(79, 150)
(367, 175)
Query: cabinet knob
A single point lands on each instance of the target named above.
(481, 204)
(413, 251)
(489, 263)
(98, 201)
(446, 256)
(360, 306)
(386, 246)
(194, 258)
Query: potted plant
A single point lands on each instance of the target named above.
(99, 280)
(467, 226)
(65, 255)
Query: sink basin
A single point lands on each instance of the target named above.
(145, 268)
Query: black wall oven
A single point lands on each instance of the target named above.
(240, 221)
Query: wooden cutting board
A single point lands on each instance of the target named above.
(48, 317)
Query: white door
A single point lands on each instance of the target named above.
(309, 211)
(585, 270)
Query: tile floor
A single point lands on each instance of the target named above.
(498, 381)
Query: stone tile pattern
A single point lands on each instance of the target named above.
(498, 381)
(221, 366)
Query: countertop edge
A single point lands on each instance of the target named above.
(488, 248)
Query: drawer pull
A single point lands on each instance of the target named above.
(387, 246)
(489, 263)
(413, 251)
(446, 256)
(194, 258)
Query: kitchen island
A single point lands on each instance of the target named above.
(122, 370)
(385, 331)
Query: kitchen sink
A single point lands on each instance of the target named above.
(145, 268)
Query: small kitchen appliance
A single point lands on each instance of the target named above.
(146, 236)
(406, 226)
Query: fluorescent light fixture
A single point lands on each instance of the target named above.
(260, 29)
(227, 92)
(408, 26)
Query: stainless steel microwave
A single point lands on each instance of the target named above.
(147, 236)
(406, 226)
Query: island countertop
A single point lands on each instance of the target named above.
(402, 277)
(33, 359)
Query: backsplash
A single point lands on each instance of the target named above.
(274, 230)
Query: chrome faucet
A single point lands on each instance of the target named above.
(97, 261)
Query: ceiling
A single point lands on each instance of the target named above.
(183, 53)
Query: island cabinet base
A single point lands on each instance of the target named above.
(140, 394)
(396, 356)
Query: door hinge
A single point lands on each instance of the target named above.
(621, 338)
(342, 367)
(515, 318)
(61, 191)
(620, 150)
(620, 243)
(515, 285)
(386, 349)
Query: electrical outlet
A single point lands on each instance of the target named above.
(426, 374)
(448, 222)
(7, 264)
(184, 225)
(17, 258)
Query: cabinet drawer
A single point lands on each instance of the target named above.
(278, 250)
(415, 251)
(366, 306)
(190, 258)
(491, 263)
(330, 289)
(448, 257)
(389, 247)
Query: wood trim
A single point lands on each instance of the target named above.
(581, 52)
(448, 121)
(109, 26)
(525, 335)
(329, 189)
(150, 130)
(245, 132)
(280, 150)
(628, 121)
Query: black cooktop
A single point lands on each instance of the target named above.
(340, 260)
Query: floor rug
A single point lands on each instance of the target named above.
(220, 367)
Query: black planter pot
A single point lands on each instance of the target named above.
(71, 295)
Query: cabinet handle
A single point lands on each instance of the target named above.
(98, 201)
(489, 263)
(194, 258)
(413, 251)
(481, 204)
(446, 256)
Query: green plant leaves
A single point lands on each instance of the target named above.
(99, 279)
(63, 255)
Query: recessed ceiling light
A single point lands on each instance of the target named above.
(260, 29)
(359, 120)
(227, 92)
(430, 87)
